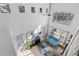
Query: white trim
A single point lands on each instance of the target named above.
(71, 42)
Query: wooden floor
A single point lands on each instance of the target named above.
(36, 51)
(56, 51)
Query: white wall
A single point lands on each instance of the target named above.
(6, 46)
(67, 7)
(23, 22)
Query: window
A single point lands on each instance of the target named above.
(4, 8)
(21, 9)
(33, 9)
(63, 18)
(47, 10)
(40, 10)
(20, 39)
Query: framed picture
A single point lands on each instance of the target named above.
(33, 9)
(41, 10)
(63, 18)
(22, 9)
(4, 8)
(46, 10)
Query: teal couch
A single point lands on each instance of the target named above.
(53, 41)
